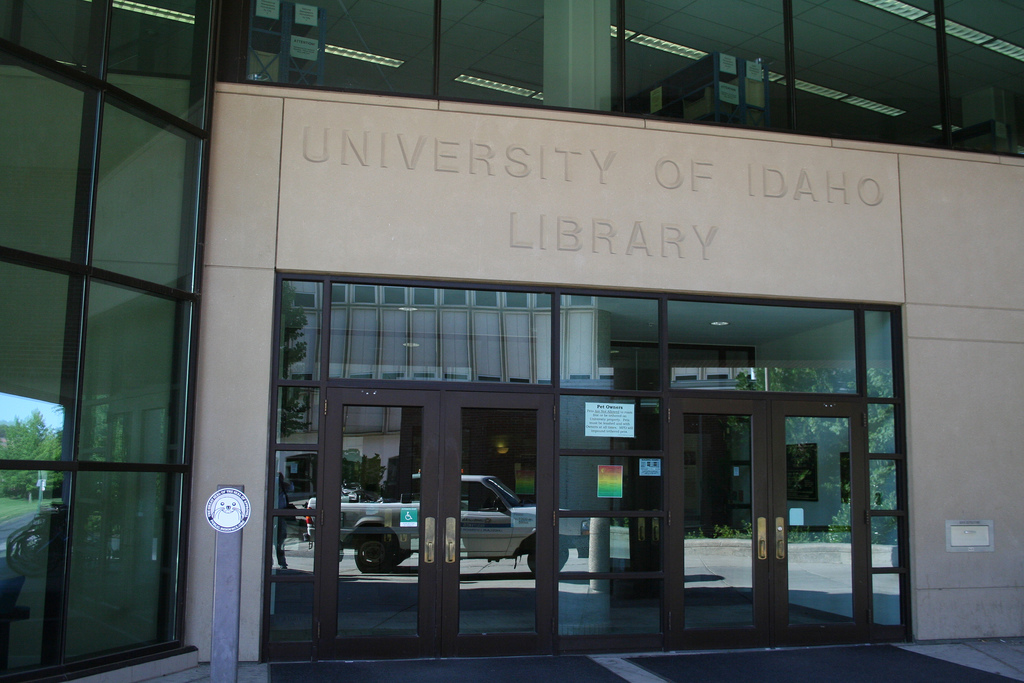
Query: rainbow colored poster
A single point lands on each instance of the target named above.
(609, 481)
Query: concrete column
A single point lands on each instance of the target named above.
(577, 54)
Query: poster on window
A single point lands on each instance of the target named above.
(609, 419)
(609, 481)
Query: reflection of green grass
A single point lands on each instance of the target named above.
(9, 509)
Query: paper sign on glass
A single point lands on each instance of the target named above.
(609, 481)
(609, 419)
(305, 48)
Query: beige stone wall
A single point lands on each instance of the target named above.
(365, 185)
(962, 235)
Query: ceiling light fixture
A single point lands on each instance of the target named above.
(898, 8)
(151, 11)
(362, 56)
(496, 85)
(719, 323)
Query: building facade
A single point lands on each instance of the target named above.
(527, 327)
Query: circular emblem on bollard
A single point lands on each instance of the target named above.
(227, 510)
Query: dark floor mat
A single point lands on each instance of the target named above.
(483, 670)
(860, 664)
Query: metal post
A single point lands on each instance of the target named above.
(227, 576)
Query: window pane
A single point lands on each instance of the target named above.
(146, 201)
(761, 348)
(866, 71)
(300, 329)
(123, 571)
(132, 382)
(40, 132)
(618, 424)
(885, 542)
(985, 47)
(579, 487)
(882, 480)
(609, 606)
(707, 61)
(35, 513)
(885, 600)
(58, 29)
(158, 53)
(610, 343)
(881, 428)
(878, 340)
(297, 478)
(34, 399)
(446, 336)
(559, 54)
(361, 46)
(614, 545)
(298, 415)
(291, 612)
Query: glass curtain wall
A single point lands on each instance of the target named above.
(869, 69)
(102, 127)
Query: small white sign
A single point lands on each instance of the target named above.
(305, 48)
(650, 467)
(306, 15)
(227, 510)
(754, 71)
(727, 64)
(796, 516)
(609, 419)
(729, 92)
(268, 9)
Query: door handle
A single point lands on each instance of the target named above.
(762, 538)
(656, 529)
(429, 531)
(449, 540)
(641, 529)
(780, 538)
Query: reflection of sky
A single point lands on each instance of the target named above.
(18, 406)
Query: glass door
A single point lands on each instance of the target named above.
(498, 552)
(719, 481)
(430, 544)
(817, 523)
(770, 549)
(377, 552)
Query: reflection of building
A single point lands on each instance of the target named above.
(502, 241)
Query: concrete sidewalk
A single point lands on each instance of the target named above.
(1003, 656)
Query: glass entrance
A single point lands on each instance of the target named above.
(429, 543)
(770, 550)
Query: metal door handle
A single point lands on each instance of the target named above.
(449, 540)
(429, 530)
(641, 529)
(780, 538)
(762, 538)
(656, 529)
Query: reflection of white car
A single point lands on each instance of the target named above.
(495, 525)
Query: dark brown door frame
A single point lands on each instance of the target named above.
(769, 501)
(440, 493)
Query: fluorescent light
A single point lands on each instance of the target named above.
(898, 8)
(362, 56)
(495, 85)
(819, 90)
(960, 31)
(151, 11)
(874, 106)
(1005, 48)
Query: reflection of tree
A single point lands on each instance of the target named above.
(294, 406)
(810, 380)
(27, 439)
